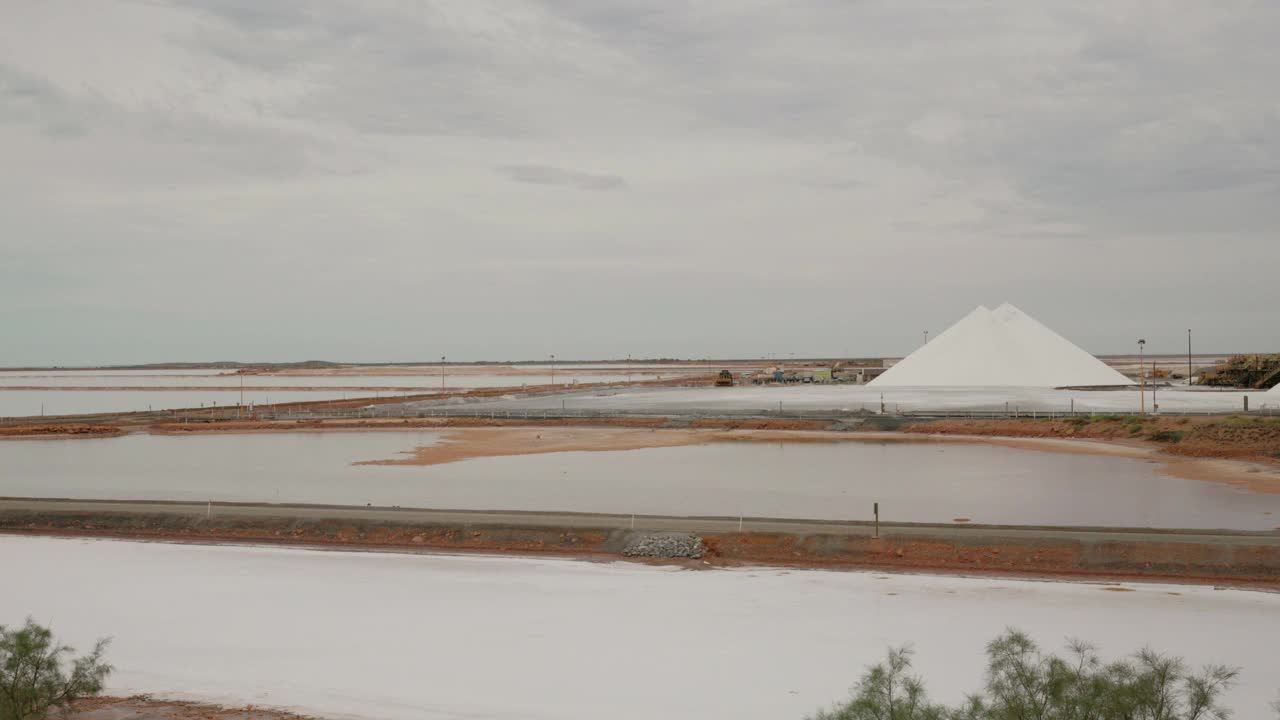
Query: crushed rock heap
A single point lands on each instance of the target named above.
(1004, 347)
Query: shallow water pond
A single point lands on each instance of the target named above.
(835, 481)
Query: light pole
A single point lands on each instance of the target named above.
(553, 368)
(1142, 375)
(926, 337)
(441, 373)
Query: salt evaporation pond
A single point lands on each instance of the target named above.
(36, 403)
(829, 481)
(55, 392)
(427, 637)
(452, 379)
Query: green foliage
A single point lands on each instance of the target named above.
(1168, 436)
(33, 679)
(1022, 683)
(888, 692)
(1245, 421)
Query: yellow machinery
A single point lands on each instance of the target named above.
(724, 379)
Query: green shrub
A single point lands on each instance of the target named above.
(33, 679)
(1023, 683)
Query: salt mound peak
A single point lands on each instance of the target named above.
(1004, 347)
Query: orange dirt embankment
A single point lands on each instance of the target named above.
(1219, 437)
(60, 430)
(989, 554)
(975, 551)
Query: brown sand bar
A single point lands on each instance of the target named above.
(466, 443)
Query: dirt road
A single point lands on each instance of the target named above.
(1242, 558)
(428, 516)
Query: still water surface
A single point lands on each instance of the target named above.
(55, 393)
(838, 481)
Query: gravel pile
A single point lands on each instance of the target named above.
(665, 545)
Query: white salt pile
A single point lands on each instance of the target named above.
(1004, 347)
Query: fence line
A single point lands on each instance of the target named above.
(405, 411)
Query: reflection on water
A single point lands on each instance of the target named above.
(838, 481)
(225, 380)
(33, 403)
(223, 389)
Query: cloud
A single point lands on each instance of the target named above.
(1068, 157)
(27, 99)
(548, 175)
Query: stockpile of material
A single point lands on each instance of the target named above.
(665, 545)
(1004, 347)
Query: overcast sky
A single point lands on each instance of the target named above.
(367, 180)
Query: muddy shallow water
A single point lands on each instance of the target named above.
(830, 481)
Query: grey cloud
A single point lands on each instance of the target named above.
(28, 99)
(823, 183)
(548, 175)
(995, 139)
(254, 16)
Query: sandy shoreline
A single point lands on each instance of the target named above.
(466, 443)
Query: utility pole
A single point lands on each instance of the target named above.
(441, 373)
(553, 368)
(1188, 357)
(1142, 375)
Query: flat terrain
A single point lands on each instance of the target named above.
(397, 636)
